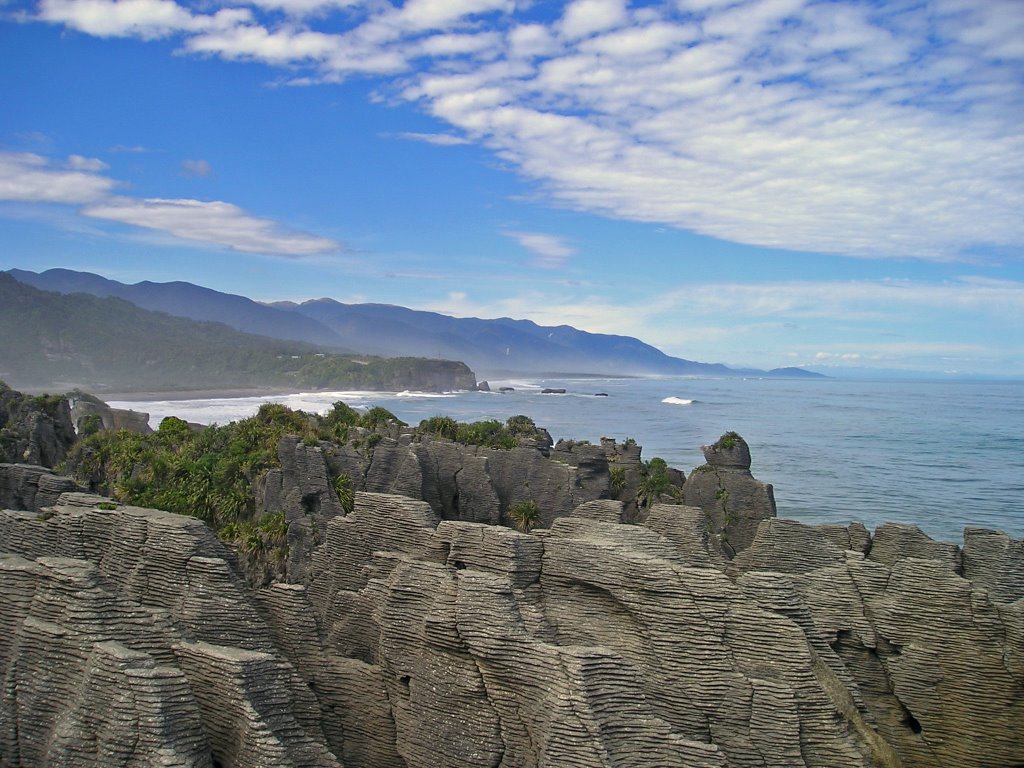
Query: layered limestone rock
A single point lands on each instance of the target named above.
(477, 635)
(89, 414)
(459, 482)
(128, 639)
(415, 638)
(933, 661)
(734, 502)
(31, 487)
(34, 429)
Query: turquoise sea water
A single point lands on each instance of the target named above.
(941, 455)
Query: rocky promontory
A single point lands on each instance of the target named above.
(641, 620)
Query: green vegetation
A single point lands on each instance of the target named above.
(210, 473)
(655, 482)
(346, 494)
(490, 434)
(56, 340)
(90, 425)
(378, 417)
(263, 542)
(525, 515)
(617, 482)
(728, 441)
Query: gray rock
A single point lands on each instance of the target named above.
(994, 562)
(88, 411)
(733, 500)
(107, 624)
(31, 487)
(893, 542)
(34, 430)
(419, 634)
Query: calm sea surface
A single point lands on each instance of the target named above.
(941, 455)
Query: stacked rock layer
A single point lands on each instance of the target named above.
(128, 638)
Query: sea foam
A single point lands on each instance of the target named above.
(677, 401)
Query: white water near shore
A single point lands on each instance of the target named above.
(942, 455)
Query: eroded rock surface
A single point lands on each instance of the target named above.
(458, 482)
(89, 414)
(734, 502)
(415, 639)
(34, 429)
(128, 639)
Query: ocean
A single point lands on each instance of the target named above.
(941, 455)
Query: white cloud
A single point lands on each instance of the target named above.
(215, 222)
(80, 163)
(458, 44)
(421, 15)
(31, 178)
(551, 251)
(877, 299)
(439, 139)
(529, 40)
(869, 130)
(251, 41)
(148, 19)
(585, 17)
(196, 168)
(299, 8)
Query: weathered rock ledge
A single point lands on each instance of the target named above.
(128, 637)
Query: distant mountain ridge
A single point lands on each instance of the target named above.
(498, 345)
(57, 342)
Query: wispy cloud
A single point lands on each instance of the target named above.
(196, 168)
(147, 19)
(33, 179)
(438, 139)
(80, 163)
(802, 300)
(212, 222)
(551, 251)
(864, 129)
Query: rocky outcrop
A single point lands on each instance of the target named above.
(34, 429)
(734, 502)
(26, 486)
(89, 414)
(459, 482)
(412, 638)
(129, 640)
(496, 647)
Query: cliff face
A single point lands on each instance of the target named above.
(459, 482)
(34, 430)
(128, 637)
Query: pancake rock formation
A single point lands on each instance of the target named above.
(413, 637)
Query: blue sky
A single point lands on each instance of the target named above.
(837, 185)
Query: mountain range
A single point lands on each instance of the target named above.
(55, 342)
(490, 347)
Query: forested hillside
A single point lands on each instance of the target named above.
(57, 342)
